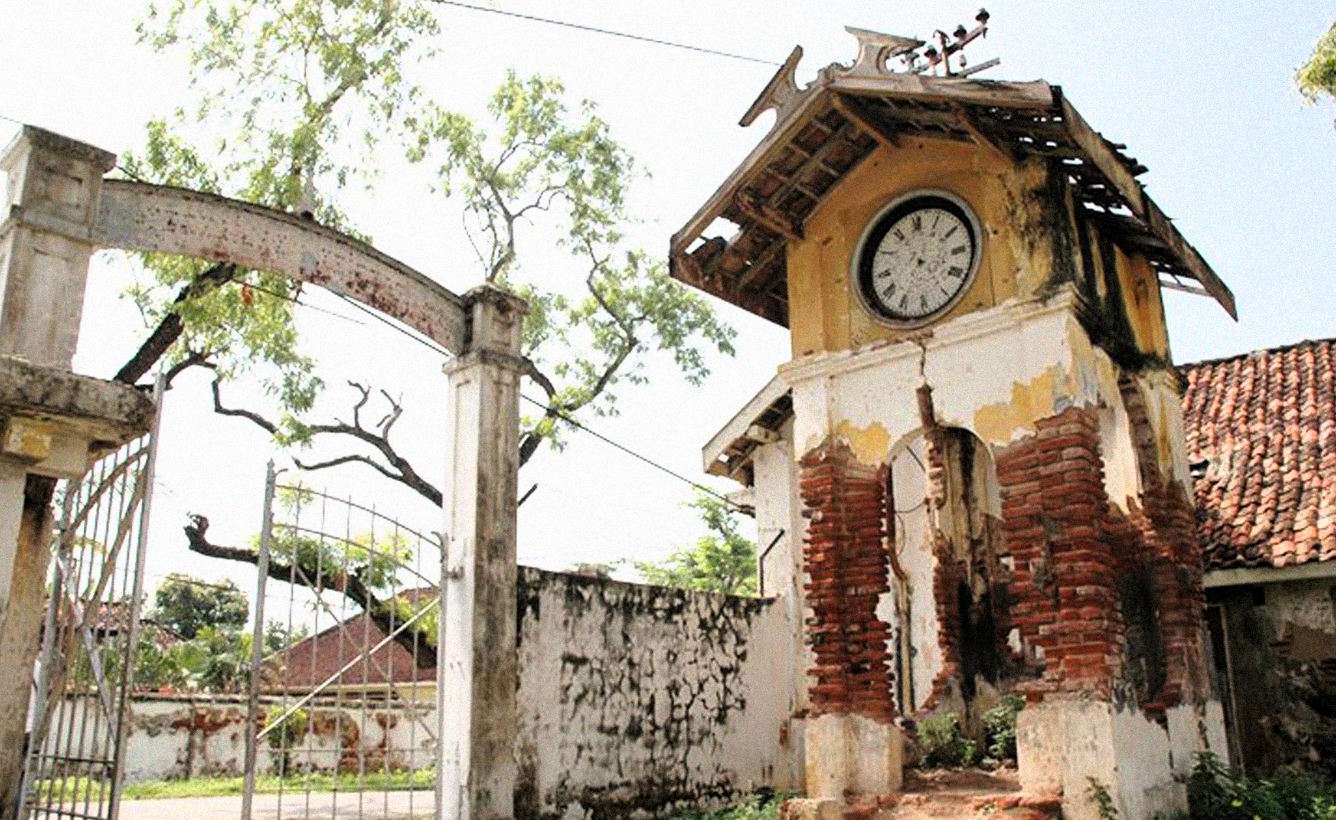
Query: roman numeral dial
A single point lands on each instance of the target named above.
(918, 257)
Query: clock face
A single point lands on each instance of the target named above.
(917, 258)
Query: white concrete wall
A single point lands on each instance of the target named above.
(634, 699)
(1065, 744)
(180, 737)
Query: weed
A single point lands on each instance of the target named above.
(999, 727)
(1216, 793)
(759, 806)
(1099, 795)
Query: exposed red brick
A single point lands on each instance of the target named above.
(847, 568)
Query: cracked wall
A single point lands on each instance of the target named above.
(635, 700)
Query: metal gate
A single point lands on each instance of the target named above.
(79, 707)
(343, 675)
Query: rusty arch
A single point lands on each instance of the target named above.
(139, 216)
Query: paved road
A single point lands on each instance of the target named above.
(294, 806)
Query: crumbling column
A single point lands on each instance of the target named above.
(477, 673)
(852, 747)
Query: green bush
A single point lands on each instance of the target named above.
(942, 743)
(999, 727)
(1215, 793)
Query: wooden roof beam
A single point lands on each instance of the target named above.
(816, 158)
(857, 113)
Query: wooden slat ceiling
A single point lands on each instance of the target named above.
(822, 132)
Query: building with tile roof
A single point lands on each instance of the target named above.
(1261, 436)
(1261, 440)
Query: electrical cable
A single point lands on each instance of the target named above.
(420, 339)
(654, 40)
(571, 421)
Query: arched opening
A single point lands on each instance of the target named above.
(948, 605)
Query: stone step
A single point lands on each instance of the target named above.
(965, 794)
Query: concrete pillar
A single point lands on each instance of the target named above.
(51, 198)
(20, 624)
(52, 421)
(477, 673)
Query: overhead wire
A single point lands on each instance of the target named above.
(431, 344)
(608, 32)
(579, 425)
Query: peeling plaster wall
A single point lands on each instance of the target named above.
(1006, 367)
(780, 529)
(177, 737)
(634, 699)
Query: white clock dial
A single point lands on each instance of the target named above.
(918, 258)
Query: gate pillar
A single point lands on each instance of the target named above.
(477, 671)
(53, 423)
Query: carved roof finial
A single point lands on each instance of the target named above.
(778, 93)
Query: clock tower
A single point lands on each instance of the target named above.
(977, 444)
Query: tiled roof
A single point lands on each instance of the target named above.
(1261, 437)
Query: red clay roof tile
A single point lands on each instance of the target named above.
(1261, 434)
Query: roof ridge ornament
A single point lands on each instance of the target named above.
(779, 93)
(876, 50)
(875, 53)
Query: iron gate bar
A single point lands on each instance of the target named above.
(257, 640)
(310, 696)
(76, 749)
(129, 669)
(336, 723)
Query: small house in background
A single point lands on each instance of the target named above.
(1261, 437)
(357, 657)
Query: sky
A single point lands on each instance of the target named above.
(1200, 92)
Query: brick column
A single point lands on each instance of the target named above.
(852, 747)
(847, 569)
(1167, 544)
(1063, 585)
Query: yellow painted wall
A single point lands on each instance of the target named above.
(824, 312)
(1141, 299)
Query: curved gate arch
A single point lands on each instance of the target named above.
(139, 216)
(59, 208)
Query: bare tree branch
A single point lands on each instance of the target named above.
(267, 425)
(397, 467)
(194, 358)
(347, 582)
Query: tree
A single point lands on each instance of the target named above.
(296, 95)
(1318, 76)
(185, 605)
(292, 103)
(723, 561)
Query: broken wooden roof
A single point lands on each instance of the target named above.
(1261, 438)
(825, 130)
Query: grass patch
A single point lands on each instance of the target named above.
(264, 784)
